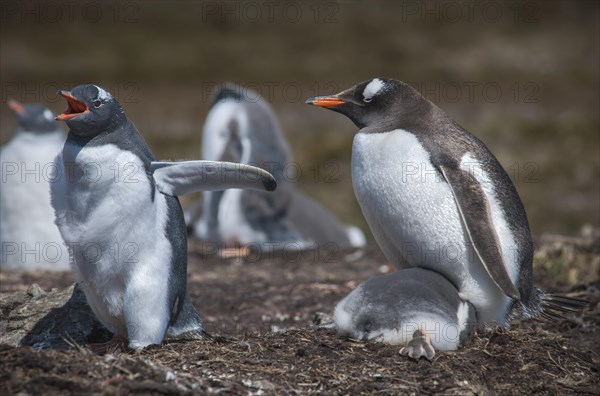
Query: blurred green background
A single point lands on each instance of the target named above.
(521, 75)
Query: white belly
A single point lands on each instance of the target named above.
(232, 223)
(117, 235)
(413, 216)
(29, 237)
(233, 226)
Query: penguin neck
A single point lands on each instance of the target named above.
(415, 120)
(103, 137)
(125, 137)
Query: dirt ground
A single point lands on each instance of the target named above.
(260, 309)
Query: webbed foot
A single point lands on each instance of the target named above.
(420, 346)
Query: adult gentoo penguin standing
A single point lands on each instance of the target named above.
(29, 237)
(117, 209)
(435, 197)
(242, 127)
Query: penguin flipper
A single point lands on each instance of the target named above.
(474, 209)
(180, 178)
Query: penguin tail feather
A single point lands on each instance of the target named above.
(200, 334)
(555, 307)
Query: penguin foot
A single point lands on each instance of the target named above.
(235, 252)
(420, 346)
(114, 346)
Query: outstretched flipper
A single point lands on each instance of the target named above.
(180, 178)
(420, 346)
(475, 213)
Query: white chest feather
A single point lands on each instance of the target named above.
(413, 215)
(218, 126)
(403, 197)
(115, 226)
(233, 226)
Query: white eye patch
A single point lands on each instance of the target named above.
(102, 94)
(372, 89)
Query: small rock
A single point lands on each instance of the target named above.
(170, 376)
(35, 291)
(258, 384)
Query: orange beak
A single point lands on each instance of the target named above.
(76, 107)
(16, 106)
(325, 101)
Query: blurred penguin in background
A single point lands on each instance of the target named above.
(30, 239)
(241, 127)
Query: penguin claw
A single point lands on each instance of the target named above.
(420, 346)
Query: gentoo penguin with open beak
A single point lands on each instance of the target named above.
(436, 198)
(29, 237)
(242, 127)
(117, 210)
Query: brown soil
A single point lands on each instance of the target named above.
(260, 311)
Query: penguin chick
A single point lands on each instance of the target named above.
(415, 307)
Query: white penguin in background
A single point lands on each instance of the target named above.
(242, 127)
(28, 236)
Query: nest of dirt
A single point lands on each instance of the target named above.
(260, 310)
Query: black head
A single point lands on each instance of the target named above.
(379, 101)
(92, 110)
(33, 117)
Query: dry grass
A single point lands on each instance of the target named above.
(260, 311)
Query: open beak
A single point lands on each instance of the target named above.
(16, 106)
(76, 107)
(326, 101)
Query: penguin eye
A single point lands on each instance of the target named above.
(367, 100)
(97, 103)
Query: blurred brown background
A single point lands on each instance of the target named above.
(521, 75)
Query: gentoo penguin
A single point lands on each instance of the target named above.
(242, 127)
(29, 237)
(435, 197)
(414, 307)
(117, 209)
